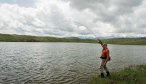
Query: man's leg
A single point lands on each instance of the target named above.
(102, 68)
(107, 71)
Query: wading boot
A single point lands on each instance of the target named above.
(108, 74)
(102, 75)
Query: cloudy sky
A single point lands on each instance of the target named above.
(74, 18)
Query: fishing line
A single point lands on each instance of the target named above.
(80, 24)
(87, 29)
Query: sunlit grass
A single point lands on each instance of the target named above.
(130, 75)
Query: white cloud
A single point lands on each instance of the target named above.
(106, 18)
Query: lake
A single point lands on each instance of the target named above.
(61, 63)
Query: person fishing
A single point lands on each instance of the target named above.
(105, 52)
(105, 57)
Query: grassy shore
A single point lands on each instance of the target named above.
(130, 75)
(127, 41)
(26, 38)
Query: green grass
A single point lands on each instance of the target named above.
(26, 38)
(130, 75)
(127, 41)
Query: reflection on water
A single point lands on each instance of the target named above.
(61, 63)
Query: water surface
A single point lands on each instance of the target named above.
(61, 63)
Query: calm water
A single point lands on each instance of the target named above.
(61, 63)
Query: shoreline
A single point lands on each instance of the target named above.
(27, 38)
(68, 42)
(135, 74)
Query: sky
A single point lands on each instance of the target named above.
(74, 18)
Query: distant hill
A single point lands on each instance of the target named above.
(143, 37)
(27, 38)
(127, 41)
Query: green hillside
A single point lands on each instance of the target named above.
(127, 41)
(26, 38)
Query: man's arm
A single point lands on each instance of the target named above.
(99, 41)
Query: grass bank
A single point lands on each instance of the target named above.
(130, 75)
(27, 38)
(127, 41)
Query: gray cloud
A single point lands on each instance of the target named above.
(118, 13)
(106, 18)
(107, 10)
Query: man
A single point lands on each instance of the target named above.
(105, 58)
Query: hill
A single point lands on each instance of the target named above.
(27, 38)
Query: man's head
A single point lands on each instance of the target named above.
(105, 45)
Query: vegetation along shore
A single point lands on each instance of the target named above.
(129, 75)
(27, 38)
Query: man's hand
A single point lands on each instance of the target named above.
(99, 41)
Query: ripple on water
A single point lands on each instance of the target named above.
(59, 63)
